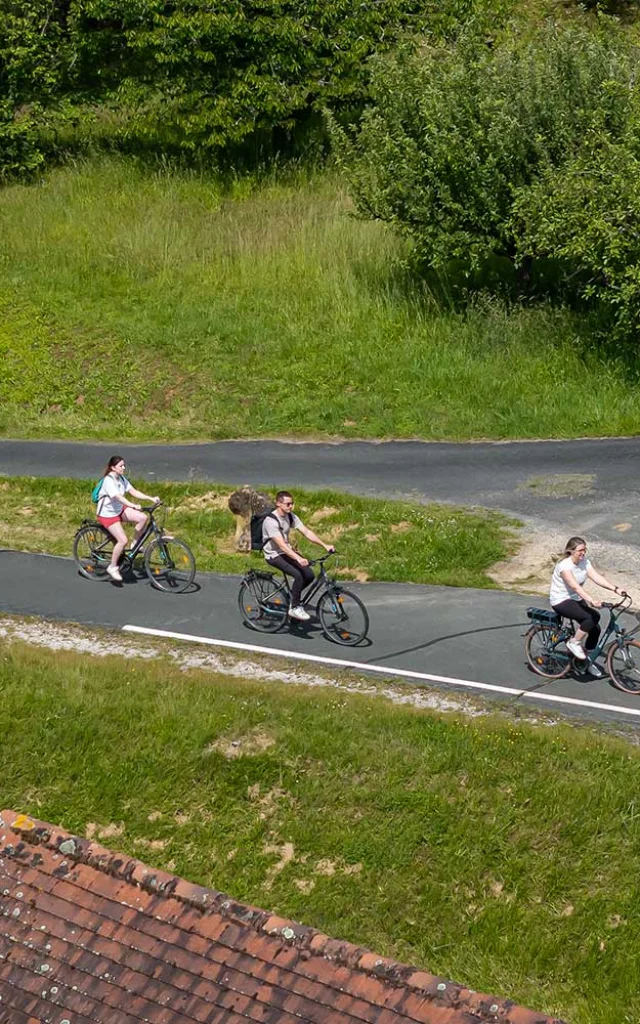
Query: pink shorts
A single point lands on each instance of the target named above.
(109, 520)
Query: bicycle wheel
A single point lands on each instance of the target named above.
(170, 565)
(343, 617)
(623, 665)
(546, 655)
(263, 604)
(92, 550)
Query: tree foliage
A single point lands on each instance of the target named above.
(34, 54)
(479, 150)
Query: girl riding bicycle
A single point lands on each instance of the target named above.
(114, 509)
(568, 597)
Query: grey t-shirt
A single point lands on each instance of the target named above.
(274, 525)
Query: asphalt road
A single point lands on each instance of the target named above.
(467, 636)
(537, 480)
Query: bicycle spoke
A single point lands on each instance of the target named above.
(343, 617)
(546, 652)
(623, 663)
(262, 603)
(92, 549)
(170, 565)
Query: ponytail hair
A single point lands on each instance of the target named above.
(113, 461)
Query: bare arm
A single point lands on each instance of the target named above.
(601, 581)
(139, 494)
(287, 550)
(313, 537)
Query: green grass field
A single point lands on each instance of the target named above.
(140, 305)
(499, 854)
(376, 539)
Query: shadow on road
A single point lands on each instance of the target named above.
(453, 636)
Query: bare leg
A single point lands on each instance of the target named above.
(117, 532)
(132, 515)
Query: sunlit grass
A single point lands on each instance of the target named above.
(376, 539)
(498, 854)
(145, 305)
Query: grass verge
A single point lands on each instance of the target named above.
(496, 853)
(169, 306)
(376, 539)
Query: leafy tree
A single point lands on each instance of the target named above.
(586, 216)
(464, 143)
(34, 58)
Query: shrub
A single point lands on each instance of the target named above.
(586, 215)
(464, 143)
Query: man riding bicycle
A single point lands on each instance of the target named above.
(278, 552)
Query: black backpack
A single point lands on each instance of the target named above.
(255, 526)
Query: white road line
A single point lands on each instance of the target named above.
(386, 670)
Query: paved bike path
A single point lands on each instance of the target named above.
(465, 635)
(536, 479)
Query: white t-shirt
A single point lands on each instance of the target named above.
(113, 488)
(274, 526)
(559, 589)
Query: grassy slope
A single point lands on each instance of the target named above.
(383, 540)
(501, 855)
(150, 306)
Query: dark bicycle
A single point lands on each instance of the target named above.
(265, 597)
(545, 647)
(168, 562)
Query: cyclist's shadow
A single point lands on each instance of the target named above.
(310, 631)
(133, 577)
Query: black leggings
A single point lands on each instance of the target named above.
(302, 575)
(586, 617)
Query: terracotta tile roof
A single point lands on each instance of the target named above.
(87, 935)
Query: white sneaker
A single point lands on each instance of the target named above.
(595, 671)
(576, 649)
(299, 613)
(114, 573)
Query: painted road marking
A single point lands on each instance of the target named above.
(386, 670)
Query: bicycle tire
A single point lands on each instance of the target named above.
(92, 551)
(170, 565)
(343, 617)
(540, 653)
(253, 598)
(623, 666)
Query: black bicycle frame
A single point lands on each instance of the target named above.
(321, 582)
(151, 527)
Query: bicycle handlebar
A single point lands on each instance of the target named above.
(624, 602)
(323, 558)
(151, 508)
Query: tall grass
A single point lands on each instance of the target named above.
(144, 304)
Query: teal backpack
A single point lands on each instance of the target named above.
(95, 494)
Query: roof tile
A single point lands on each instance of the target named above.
(98, 934)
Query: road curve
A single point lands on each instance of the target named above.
(592, 483)
(465, 634)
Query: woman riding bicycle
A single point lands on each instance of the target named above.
(114, 509)
(278, 552)
(568, 598)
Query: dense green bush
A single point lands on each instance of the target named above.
(35, 60)
(477, 151)
(586, 215)
(192, 75)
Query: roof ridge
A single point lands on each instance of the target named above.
(308, 941)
